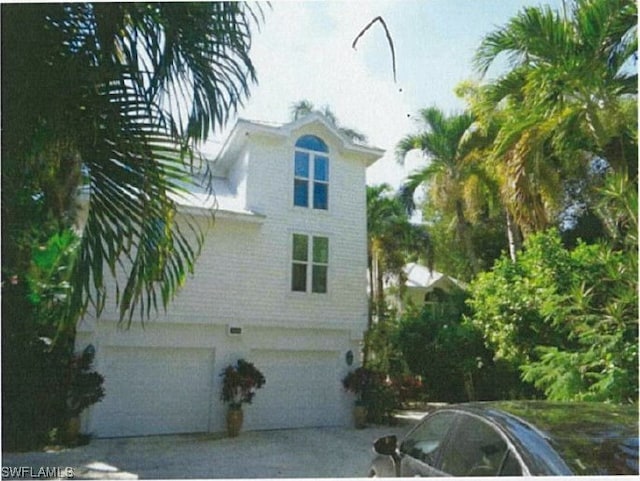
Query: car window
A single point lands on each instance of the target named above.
(475, 449)
(511, 466)
(424, 442)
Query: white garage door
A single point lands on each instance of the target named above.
(153, 391)
(302, 390)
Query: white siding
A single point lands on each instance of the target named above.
(243, 279)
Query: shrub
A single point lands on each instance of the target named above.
(240, 382)
(446, 351)
(568, 320)
(373, 391)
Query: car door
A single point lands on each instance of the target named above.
(475, 447)
(420, 450)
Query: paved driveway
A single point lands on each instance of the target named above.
(295, 453)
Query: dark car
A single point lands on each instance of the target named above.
(515, 438)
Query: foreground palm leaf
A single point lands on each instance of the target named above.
(130, 90)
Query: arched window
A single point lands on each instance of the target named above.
(311, 173)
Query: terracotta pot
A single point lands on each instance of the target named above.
(72, 431)
(360, 416)
(235, 417)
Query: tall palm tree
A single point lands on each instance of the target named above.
(455, 183)
(564, 100)
(123, 93)
(392, 241)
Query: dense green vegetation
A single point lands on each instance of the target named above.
(532, 198)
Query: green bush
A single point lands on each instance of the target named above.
(374, 391)
(448, 353)
(568, 320)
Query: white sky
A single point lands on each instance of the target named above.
(303, 51)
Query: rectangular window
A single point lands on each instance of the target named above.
(301, 180)
(320, 265)
(311, 180)
(300, 260)
(310, 263)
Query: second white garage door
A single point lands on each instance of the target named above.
(153, 391)
(302, 390)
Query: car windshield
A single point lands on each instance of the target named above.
(594, 439)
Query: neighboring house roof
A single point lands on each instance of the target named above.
(421, 277)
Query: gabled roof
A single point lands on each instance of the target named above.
(419, 276)
(244, 128)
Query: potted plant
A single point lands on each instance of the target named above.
(358, 382)
(84, 388)
(240, 382)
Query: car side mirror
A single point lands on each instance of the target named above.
(386, 445)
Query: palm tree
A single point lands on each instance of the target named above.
(455, 182)
(116, 97)
(392, 241)
(124, 93)
(564, 101)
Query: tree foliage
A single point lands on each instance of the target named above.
(567, 319)
(392, 241)
(449, 354)
(113, 98)
(563, 102)
(124, 92)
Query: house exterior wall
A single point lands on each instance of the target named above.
(243, 279)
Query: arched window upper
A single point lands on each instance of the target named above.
(311, 142)
(311, 173)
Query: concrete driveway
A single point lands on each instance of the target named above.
(295, 453)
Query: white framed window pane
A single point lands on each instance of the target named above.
(299, 278)
(300, 247)
(319, 279)
(320, 196)
(321, 250)
(301, 193)
(302, 164)
(321, 168)
(311, 142)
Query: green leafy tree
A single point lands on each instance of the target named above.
(448, 353)
(392, 242)
(125, 91)
(567, 319)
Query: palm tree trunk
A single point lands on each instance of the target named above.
(513, 236)
(379, 294)
(464, 236)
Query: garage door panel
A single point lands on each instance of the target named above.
(153, 391)
(302, 390)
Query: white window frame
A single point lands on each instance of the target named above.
(309, 264)
(311, 180)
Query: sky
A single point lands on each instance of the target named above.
(303, 51)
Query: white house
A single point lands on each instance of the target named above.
(421, 286)
(281, 282)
